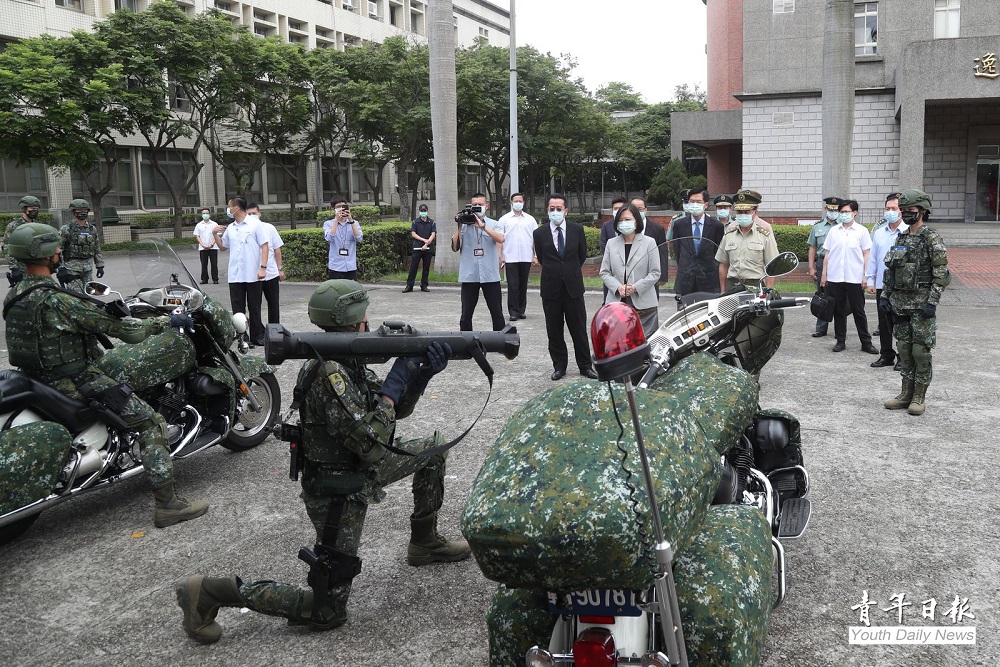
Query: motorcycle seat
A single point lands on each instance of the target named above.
(19, 391)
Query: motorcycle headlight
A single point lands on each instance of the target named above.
(240, 323)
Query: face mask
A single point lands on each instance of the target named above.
(643, 214)
(696, 209)
(556, 217)
(518, 205)
(32, 214)
(845, 218)
(831, 215)
(910, 217)
(229, 214)
(80, 215)
(722, 213)
(206, 216)
(891, 217)
(423, 214)
(626, 226)
(744, 219)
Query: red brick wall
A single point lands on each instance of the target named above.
(725, 55)
(725, 169)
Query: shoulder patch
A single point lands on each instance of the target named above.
(765, 232)
(337, 383)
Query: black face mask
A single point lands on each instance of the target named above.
(32, 214)
(910, 217)
(80, 215)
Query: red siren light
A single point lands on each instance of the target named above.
(620, 346)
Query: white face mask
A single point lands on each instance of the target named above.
(722, 212)
(831, 215)
(696, 209)
(626, 226)
(892, 216)
(556, 217)
(744, 219)
(845, 218)
(518, 205)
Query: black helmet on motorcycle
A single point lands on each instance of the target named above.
(33, 240)
(338, 303)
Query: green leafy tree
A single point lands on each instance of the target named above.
(619, 96)
(667, 185)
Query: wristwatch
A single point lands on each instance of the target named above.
(263, 266)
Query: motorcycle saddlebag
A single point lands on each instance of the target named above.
(551, 507)
(31, 458)
(723, 584)
(156, 360)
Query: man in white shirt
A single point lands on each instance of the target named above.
(516, 253)
(204, 231)
(845, 258)
(883, 238)
(274, 274)
(247, 241)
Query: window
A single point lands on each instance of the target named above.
(416, 23)
(261, 30)
(238, 168)
(19, 180)
(224, 6)
(126, 4)
(70, 4)
(782, 6)
(281, 188)
(468, 181)
(178, 98)
(336, 173)
(484, 33)
(124, 196)
(865, 28)
(295, 25)
(946, 18)
(393, 16)
(362, 183)
(177, 165)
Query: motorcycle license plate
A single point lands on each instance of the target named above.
(595, 602)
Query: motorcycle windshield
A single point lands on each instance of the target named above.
(155, 265)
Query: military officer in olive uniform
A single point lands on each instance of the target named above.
(915, 276)
(746, 247)
(30, 206)
(348, 421)
(817, 235)
(81, 249)
(52, 336)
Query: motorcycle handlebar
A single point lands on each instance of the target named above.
(392, 339)
(783, 303)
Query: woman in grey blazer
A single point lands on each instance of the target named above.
(631, 267)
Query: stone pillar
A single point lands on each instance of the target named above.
(911, 144)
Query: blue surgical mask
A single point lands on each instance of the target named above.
(626, 226)
(744, 219)
(892, 217)
(517, 206)
(832, 215)
(206, 216)
(556, 217)
(845, 218)
(696, 209)
(643, 214)
(229, 214)
(423, 214)
(723, 213)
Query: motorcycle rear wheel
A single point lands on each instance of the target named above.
(252, 428)
(12, 531)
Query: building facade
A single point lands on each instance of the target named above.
(927, 104)
(314, 23)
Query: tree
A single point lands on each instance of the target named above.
(619, 96)
(668, 183)
(643, 145)
(60, 102)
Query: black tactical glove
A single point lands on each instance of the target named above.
(437, 360)
(100, 272)
(884, 305)
(181, 321)
(63, 274)
(928, 311)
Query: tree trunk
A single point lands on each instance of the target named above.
(441, 41)
(838, 97)
(402, 190)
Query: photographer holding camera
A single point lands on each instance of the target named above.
(342, 233)
(476, 238)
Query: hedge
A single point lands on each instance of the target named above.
(386, 248)
(145, 245)
(43, 217)
(366, 215)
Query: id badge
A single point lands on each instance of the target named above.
(478, 252)
(343, 252)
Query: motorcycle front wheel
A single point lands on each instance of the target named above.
(253, 427)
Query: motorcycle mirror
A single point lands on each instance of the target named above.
(97, 289)
(781, 265)
(194, 300)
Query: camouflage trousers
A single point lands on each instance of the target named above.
(84, 268)
(915, 338)
(294, 602)
(139, 415)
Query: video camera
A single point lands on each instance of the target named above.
(391, 339)
(469, 215)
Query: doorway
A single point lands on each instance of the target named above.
(988, 183)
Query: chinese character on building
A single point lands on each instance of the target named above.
(987, 66)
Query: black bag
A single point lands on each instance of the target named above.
(822, 306)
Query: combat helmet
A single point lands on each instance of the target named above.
(29, 200)
(915, 197)
(33, 240)
(79, 203)
(338, 303)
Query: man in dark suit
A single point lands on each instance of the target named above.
(658, 234)
(561, 248)
(696, 239)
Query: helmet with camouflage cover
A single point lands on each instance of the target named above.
(338, 303)
(79, 204)
(29, 200)
(915, 197)
(33, 240)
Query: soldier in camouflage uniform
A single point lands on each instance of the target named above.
(52, 336)
(29, 206)
(81, 249)
(915, 276)
(348, 420)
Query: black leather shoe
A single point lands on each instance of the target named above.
(424, 288)
(407, 289)
(875, 333)
(590, 373)
(817, 334)
(259, 341)
(558, 375)
(513, 318)
(898, 366)
(839, 347)
(880, 362)
(869, 348)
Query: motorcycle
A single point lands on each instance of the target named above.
(565, 533)
(54, 448)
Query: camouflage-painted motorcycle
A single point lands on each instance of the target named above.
(556, 514)
(207, 392)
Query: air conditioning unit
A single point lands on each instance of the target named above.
(348, 5)
(373, 9)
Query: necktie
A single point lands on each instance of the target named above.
(697, 235)
(560, 246)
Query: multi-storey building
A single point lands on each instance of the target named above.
(314, 23)
(927, 104)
